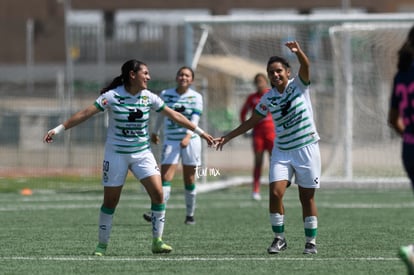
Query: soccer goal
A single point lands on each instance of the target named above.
(353, 61)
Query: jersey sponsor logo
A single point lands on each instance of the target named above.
(273, 101)
(134, 114)
(285, 108)
(131, 133)
(179, 108)
(290, 122)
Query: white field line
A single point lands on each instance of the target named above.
(189, 259)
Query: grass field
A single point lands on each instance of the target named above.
(54, 231)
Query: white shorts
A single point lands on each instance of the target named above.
(303, 163)
(115, 166)
(190, 155)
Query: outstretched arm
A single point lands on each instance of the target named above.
(304, 72)
(183, 121)
(74, 120)
(241, 129)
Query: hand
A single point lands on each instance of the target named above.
(293, 46)
(219, 142)
(48, 137)
(185, 141)
(209, 139)
(155, 138)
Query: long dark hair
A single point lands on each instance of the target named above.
(406, 52)
(123, 78)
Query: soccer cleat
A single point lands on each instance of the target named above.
(100, 249)
(310, 248)
(189, 220)
(256, 196)
(406, 253)
(277, 245)
(158, 246)
(147, 216)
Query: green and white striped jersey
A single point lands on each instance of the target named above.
(292, 115)
(189, 104)
(128, 118)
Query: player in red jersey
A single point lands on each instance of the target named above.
(263, 132)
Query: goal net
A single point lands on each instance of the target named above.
(353, 61)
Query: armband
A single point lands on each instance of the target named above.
(58, 129)
(198, 131)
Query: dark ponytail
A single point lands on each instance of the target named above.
(123, 79)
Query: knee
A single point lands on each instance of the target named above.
(275, 195)
(158, 197)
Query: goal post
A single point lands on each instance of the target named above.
(353, 61)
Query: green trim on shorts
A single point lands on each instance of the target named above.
(157, 206)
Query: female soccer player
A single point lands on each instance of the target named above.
(129, 103)
(401, 119)
(263, 132)
(296, 148)
(179, 142)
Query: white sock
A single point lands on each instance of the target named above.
(190, 200)
(158, 220)
(105, 224)
(311, 229)
(167, 191)
(278, 225)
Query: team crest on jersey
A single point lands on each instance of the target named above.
(145, 100)
(290, 89)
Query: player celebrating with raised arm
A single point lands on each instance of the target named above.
(296, 148)
(129, 103)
